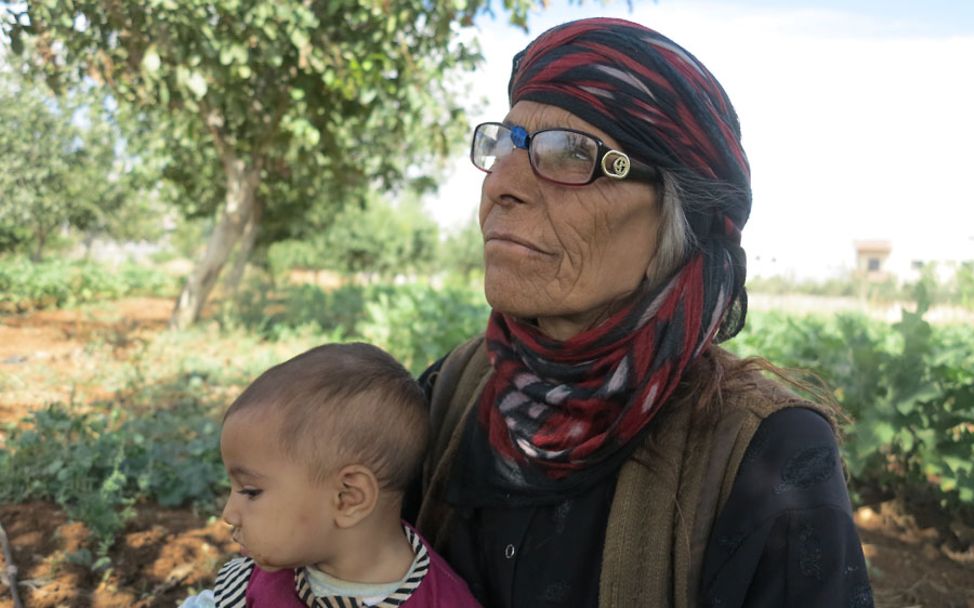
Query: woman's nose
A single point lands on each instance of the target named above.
(511, 178)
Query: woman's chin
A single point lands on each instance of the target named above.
(516, 298)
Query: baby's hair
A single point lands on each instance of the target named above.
(345, 404)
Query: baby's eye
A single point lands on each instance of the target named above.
(250, 493)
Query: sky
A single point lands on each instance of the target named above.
(857, 118)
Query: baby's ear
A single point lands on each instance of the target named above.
(358, 494)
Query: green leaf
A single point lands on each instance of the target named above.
(300, 39)
(151, 61)
(883, 431)
(957, 465)
(197, 84)
(905, 438)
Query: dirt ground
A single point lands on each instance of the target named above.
(916, 559)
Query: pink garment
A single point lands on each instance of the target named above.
(440, 588)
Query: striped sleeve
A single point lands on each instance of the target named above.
(231, 583)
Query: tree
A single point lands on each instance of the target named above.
(380, 239)
(320, 96)
(59, 164)
(463, 250)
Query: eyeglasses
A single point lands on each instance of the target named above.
(563, 156)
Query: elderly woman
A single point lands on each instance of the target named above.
(594, 447)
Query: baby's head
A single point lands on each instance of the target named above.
(325, 442)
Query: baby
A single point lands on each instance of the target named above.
(319, 451)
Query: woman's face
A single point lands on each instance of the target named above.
(562, 254)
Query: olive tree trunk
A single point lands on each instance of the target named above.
(242, 181)
(246, 246)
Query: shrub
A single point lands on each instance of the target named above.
(909, 388)
(26, 285)
(96, 465)
(415, 322)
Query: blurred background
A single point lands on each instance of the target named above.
(191, 192)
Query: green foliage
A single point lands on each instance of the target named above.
(60, 167)
(963, 285)
(846, 286)
(380, 239)
(269, 112)
(909, 389)
(462, 252)
(417, 323)
(25, 285)
(291, 254)
(377, 238)
(958, 290)
(97, 465)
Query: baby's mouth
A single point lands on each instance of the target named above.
(235, 537)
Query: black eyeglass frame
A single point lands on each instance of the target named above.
(620, 166)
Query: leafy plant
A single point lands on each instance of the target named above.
(27, 285)
(97, 465)
(418, 324)
(909, 388)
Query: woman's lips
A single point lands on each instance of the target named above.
(506, 239)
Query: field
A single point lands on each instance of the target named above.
(114, 363)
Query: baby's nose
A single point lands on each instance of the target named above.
(229, 515)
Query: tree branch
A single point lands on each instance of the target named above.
(9, 574)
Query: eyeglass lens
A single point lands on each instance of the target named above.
(491, 141)
(564, 156)
(561, 156)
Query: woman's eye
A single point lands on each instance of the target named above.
(580, 153)
(250, 493)
(576, 148)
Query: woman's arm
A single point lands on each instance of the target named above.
(414, 493)
(786, 535)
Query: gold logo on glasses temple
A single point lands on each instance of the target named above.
(615, 164)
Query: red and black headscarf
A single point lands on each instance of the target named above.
(559, 415)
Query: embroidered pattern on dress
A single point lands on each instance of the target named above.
(556, 592)
(807, 468)
(560, 515)
(862, 597)
(731, 543)
(810, 553)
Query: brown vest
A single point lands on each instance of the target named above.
(668, 493)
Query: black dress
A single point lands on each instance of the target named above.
(784, 538)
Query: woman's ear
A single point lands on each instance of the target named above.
(358, 494)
